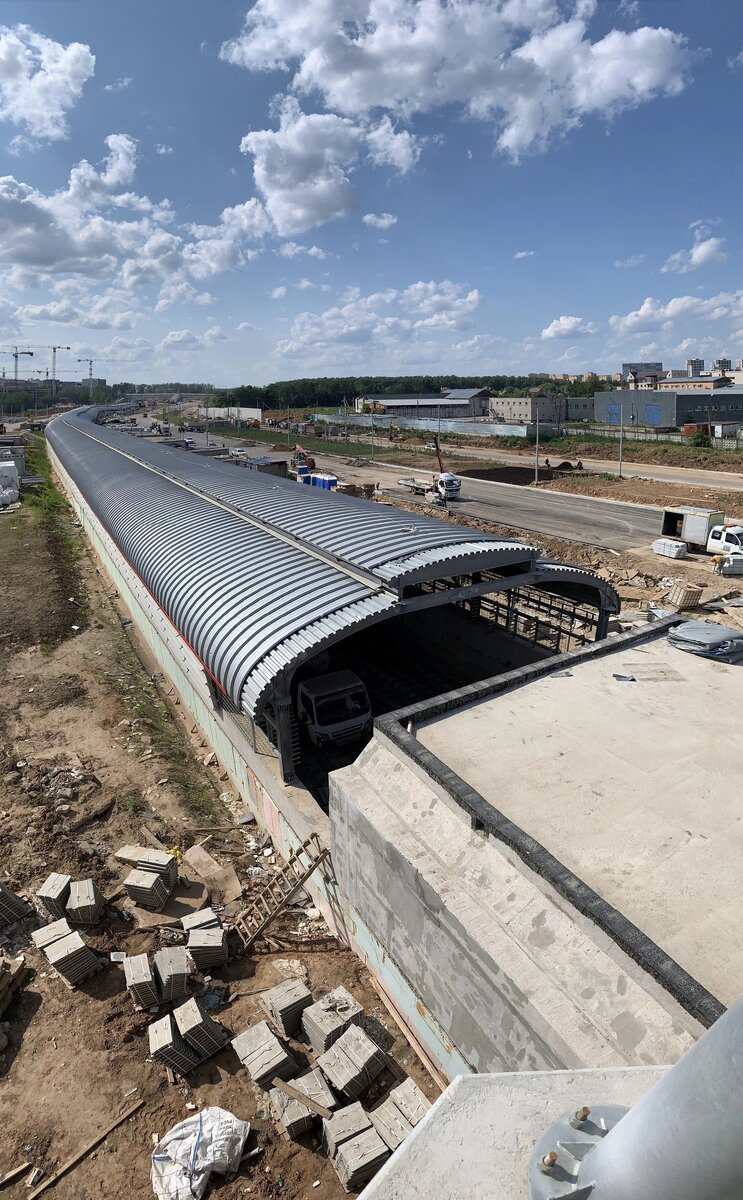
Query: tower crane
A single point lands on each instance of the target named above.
(16, 355)
(54, 350)
(90, 362)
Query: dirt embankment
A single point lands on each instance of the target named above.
(646, 491)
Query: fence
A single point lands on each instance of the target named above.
(648, 435)
(425, 425)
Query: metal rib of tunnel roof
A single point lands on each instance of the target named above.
(254, 576)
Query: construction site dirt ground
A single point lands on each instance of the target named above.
(76, 696)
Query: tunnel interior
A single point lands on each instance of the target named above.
(424, 653)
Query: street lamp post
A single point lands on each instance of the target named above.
(621, 437)
(536, 447)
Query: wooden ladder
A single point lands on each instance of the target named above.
(269, 902)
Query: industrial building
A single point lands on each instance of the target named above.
(448, 405)
(668, 408)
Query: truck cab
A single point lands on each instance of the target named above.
(725, 539)
(334, 708)
(448, 485)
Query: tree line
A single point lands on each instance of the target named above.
(325, 392)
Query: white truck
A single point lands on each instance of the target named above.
(444, 486)
(334, 708)
(703, 529)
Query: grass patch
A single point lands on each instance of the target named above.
(52, 515)
(195, 793)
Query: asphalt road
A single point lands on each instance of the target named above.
(556, 514)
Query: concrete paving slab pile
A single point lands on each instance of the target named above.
(72, 958)
(12, 907)
(205, 918)
(208, 947)
(315, 1086)
(159, 862)
(168, 1047)
(411, 1102)
(352, 1062)
(54, 894)
(293, 1116)
(347, 1123)
(140, 980)
(146, 889)
(172, 972)
(197, 1028)
(329, 1017)
(52, 932)
(85, 903)
(390, 1124)
(263, 1055)
(286, 1003)
(359, 1159)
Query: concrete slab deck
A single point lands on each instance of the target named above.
(633, 785)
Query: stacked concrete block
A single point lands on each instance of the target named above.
(205, 918)
(291, 1114)
(208, 947)
(160, 863)
(263, 1055)
(85, 903)
(171, 972)
(11, 906)
(315, 1087)
(198, 1029)
(146, 889)
(43, 938)
(409, 1099)
(140, 981)
(326, 1020)
(168, 1047)
(54, 893)
(352, 1062)
(347, 1123)
(286, 1003)
(72, 958)
(358, 1160)
(390, 1124)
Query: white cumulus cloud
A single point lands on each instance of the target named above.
(412, 324)
(163, 150)
(626, 264)
(294, 250)
(379, 220)
(119, 85)
(40, 81)
(530, 67)
(705, 249)
(524, 254)
(278, 293)
(185, 339)
(567, 327)
(302, 168)
(654, 314)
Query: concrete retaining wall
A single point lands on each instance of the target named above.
(514, 981)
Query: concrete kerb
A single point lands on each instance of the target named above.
(687, 991)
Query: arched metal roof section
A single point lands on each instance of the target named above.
(578, 584)
(256, 573)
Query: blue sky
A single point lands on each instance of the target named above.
(245, 192)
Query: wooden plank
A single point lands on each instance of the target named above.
(307, 1101)
(410, 1037)
(81, 1154)
(149, 836)
(9, 1176)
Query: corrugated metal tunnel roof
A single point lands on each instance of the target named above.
(255, 572)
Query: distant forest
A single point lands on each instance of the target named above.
(323, 393)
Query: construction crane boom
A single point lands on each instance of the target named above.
(16, 355)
